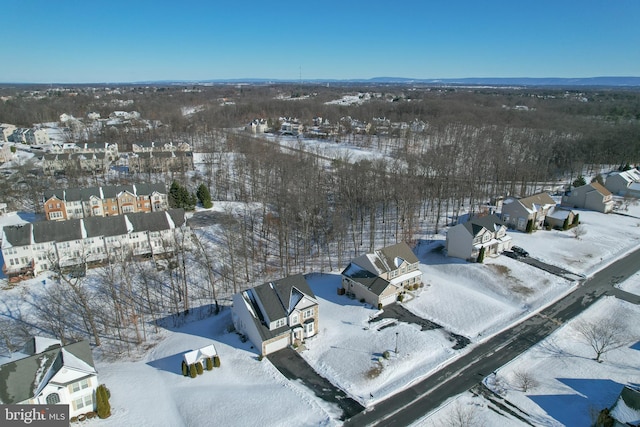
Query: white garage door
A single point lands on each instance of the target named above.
(388, 299)
(277, 345)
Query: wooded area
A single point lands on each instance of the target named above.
(300, 211)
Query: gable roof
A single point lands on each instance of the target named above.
(24, 378)
(278, 299)
(600, 188)
(489, 222)
(386, 259)
(77, 229)
(106, 192)
(537, 200)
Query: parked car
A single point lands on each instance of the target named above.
(511, 254)
(518, 250)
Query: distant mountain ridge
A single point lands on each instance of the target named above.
(604, 81)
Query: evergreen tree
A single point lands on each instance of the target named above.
(192, 371)
(216, 361)
(481, 255)
(185, 369)
(199, 368)
(579, 182)
(102, 401)
(565, 224)
(179, 197)
(209, 364)
(576, 220)
(204, 196)
(530, 226)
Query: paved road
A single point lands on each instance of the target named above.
(459, 376)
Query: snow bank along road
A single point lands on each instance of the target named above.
(411, 404)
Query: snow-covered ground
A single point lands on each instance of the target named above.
(571, 387)
(473, 300)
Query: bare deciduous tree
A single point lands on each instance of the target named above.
(525, 380)
(464, 416)
(602, 335)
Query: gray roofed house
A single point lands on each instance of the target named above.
(468, 239)
(381, 277)
(528, 213)
(276, 314)
(33, 247)
(61, 204)
(50, 374)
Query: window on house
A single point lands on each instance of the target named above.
(280, 323)
(86, 401)
(308, 313)
(294, 319)
(53, 398)
(80, 385)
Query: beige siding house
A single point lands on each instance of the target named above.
(466, 240)
(276, 314)
(379, 278)
(518, 213)
(592, 196)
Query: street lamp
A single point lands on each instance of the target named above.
(396, 343)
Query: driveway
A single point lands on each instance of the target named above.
(294, 367)
(401, 314)
(558, 271)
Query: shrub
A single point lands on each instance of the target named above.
(199, 368)
(103, 407)
(386, 354)
(481, 255)
(90, 415)
(362, 300)
(260, 358)
(192, 371)
(185, 369)
(209, 364)
(216, 361)
(379, 306)
(400, 297)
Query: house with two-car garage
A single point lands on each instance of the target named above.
(276, 314)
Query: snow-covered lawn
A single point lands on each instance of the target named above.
(242, 391)
(606, 237)
(571, 386)
(473, 300)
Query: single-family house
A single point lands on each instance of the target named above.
(47, 372)
(6, 131)
(276, 314)
(32, 248)
(380, 277)
(626, 410)
(593, 196)
(528, 213)
(625, 183)
(466, 240)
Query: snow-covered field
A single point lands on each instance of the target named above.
(473, 300)
(571, 386)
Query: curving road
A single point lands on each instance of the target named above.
(413, 403)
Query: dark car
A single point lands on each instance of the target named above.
(518, 250)
(511, 254)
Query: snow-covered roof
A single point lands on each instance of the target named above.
(194, 356)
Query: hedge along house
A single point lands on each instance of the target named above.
(380, 277)
(46, 372)
(276, 314)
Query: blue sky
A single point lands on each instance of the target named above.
(83, 41)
